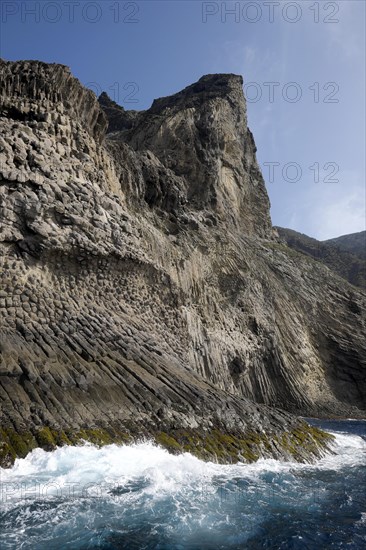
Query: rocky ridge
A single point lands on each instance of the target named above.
(355, 243)
(347, 260)
(143, 290)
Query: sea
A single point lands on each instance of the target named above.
(142, 497)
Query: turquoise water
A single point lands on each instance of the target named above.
(140, 497)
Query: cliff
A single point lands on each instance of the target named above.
(201, 135)
(143, 290)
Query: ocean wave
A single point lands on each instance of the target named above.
(87, 469)
(86, 497)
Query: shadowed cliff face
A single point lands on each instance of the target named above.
(141, 287)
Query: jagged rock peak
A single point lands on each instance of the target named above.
(33, 90)
(207, 87)
(210, 86)
(119, 119)
(106, 101)
(201, 134)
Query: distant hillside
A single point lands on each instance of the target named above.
(334, 253)
(354, 243)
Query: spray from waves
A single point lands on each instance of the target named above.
(113, 466)
(110, 466)
(139, 496)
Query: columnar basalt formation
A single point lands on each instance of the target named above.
(143, 290)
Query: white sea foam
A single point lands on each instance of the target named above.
(77, 496)
(98, 472)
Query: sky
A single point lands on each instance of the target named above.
(303, 65)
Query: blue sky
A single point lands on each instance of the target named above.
(303, 65)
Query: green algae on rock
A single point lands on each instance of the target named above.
(303, 444)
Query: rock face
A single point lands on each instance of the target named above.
(346, 255)
(201, 135)
(143, 289)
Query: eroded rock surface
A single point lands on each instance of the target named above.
(143, 289)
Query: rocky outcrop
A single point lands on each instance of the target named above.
(143, 291)
(118, 118)
(346, 255)
(28, 90)
(201, 134)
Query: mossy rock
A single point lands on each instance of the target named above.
(7, 455)
(214, 445)
(45, 439)
(302, 443)
(168, 442)
(60, 438)
(17, 444)
(305, 441)
(97, 436)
